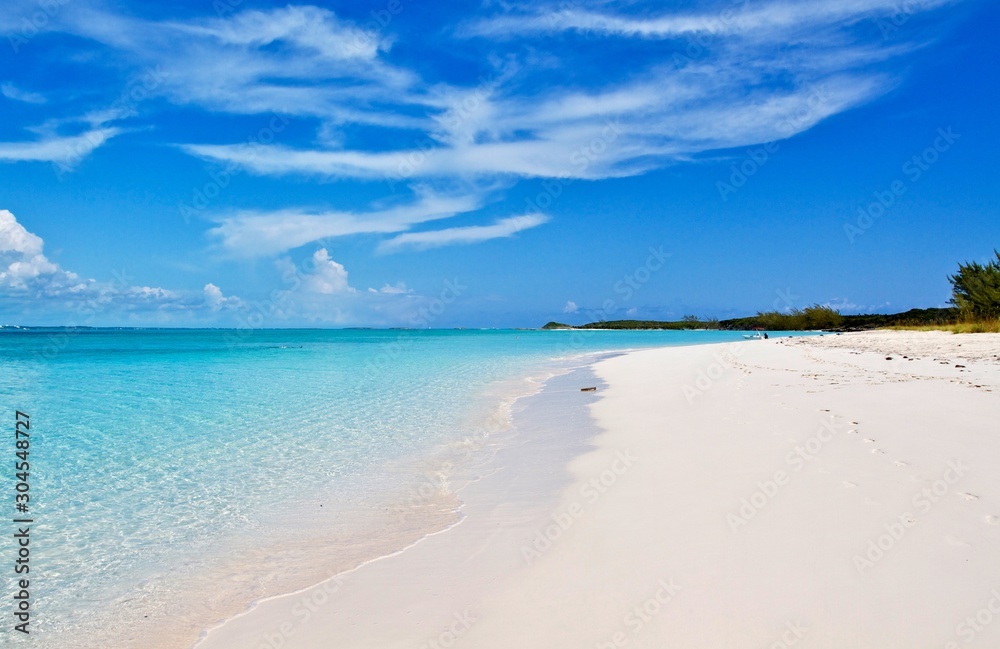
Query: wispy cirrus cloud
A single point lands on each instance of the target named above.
(65, 150)
(766, 19)
(251, 233)
(763, 71)
(585, 135)
(10, 91)
(770, 71)
(295, 60)
(463, 235)
(52, 143)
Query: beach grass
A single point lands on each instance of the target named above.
(981, 327)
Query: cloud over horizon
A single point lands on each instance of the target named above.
(333, 149)
(316, 289)
(27, 276)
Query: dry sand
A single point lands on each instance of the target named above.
(799, 492)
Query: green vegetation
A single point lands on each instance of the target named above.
(975, 291)
(639, 324)
(686, 323)
(811, 318)
(975, 294)
(821, 317)
(989, 327)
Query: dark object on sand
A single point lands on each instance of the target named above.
(962, 366)
(888, 358)
(588, 389)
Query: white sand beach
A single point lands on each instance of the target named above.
(804, 492)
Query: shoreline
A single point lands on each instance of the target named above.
(419, 500)
(515, 475)
(674, 469)
(300, 518)
(459, 462)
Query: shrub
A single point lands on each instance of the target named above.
(976, 290)
(821, 317)
(813, 317)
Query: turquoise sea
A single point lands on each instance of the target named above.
(177, 475)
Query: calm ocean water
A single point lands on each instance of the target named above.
(163, 457)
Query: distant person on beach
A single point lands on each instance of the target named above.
(765, 335)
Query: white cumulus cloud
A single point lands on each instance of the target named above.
(217, 301)
(24, 268)
(28, 277)
(328, 277)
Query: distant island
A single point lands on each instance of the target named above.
(808, 319)
(975, 295)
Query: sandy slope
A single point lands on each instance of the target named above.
(803, 492)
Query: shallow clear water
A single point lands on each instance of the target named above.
(153, 449)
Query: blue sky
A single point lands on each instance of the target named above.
(409, 163)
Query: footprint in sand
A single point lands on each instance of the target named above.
(956, 543)
(878, 450)
(969, 496)
(853, 431)
(869, 440)
(993, 520)
(900, 463)
(850, 485)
